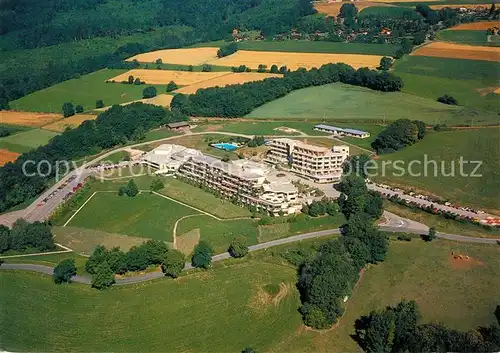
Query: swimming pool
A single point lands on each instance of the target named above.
(225, 146)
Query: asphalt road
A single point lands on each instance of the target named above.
(263, 246)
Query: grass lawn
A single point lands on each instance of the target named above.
(224, 310)
(145, 215)
(465, 37)
(307, 46)
(84, 91)
(83, 241)
(52, 260)
(440, 223)
(27, 140)
(461, 298)
(202, 143)
(445, 147)
(463, 79)
(117, 157)
(346, 102)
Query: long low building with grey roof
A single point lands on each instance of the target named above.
(341, 131)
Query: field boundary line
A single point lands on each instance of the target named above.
(174, 231)
(185, 204)
(67, 250)
(79, 209)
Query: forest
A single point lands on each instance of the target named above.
(116, 126)
(240, 99)
(29, 24)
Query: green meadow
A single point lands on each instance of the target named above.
(83, 91)
(465, 37)
(25, 141)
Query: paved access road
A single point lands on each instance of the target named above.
(263, 246)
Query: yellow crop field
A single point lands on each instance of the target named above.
(160, 77)
(333, 8)
(475, 26)
(27, 118)
(294, 61)
(459, 51)
(186, 56)
(7, 156)
(229, 79)
(71, 122)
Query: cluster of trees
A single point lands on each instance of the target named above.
(356, 198)
(118, 125)
(327, 278)
(130, 189)
(171, 86)
(149, 92)
(399, 134)
(26, 236)
(238, 100)
(4, 132)
(238, 247)
(64, 271)
(320, 208)
(446, 99)
(103, 264)
(227, 49)
(397, 329)
(68, 109)
(133, 81)
(256, 141)
(241, 68)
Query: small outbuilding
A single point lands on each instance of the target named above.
(342, 131)
(178, 126)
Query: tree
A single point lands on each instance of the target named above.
(249, 350)
(130, 80)
(348, 10)
(419, 38)
(99, 255)
(357, 165)
(385, 63)
(446, 99)
(173, 263)
(132, 189)
(156, 185)
(68, 109)
(206, 68)
(431, 235)
(64, 271)
(283, 70)
(190, 68)
(137, 81)
(378, 332)
(149, 92)
(103, 276)
(262, 68)
(398, 135)
(274, 69)
(4, 238)
(202, 256)
(227, 50)
(171, 86)
(78, 109)
(159, 61)
(238, 247)
(421, 128)
(99, 104)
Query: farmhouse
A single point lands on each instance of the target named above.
(341, 131)
(319, 164)
(252, 183)
(178, 126)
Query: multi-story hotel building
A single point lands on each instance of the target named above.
(251, 183)
(319, 164)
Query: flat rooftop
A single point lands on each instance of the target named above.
(335, 128)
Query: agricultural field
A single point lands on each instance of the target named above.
(307, 46)
(294, 60)
(459, 51)
(27, 118)
(469, 37)
(460, 295)
(84, 241)
(84, 91)
(71, 122)
(348, 103)
(476, 26)
(182, 78)
(185, 56)
(226, 309)
(143, 216)
(465, 80)
(27, 140)
(445, 148)
(332, 8)
(7, 156)
(226, 80)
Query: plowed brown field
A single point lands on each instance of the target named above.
(7, 156)
(459, 51)
(159, 77)
(474, 26)
(230, 79)
(27, 118)
(71, 122)
(187, 56)
(294, 61)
